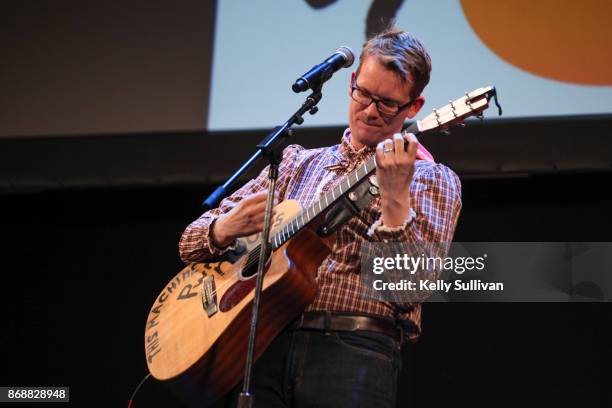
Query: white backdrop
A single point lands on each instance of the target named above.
(261, 47)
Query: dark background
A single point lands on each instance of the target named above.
(82, 267)
(89, 226)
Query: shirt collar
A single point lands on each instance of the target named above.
(347, 155)
(350, 153)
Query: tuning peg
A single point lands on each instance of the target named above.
(453, 109)
(437, 115)
(468, 102)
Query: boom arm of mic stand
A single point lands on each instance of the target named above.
(272, 142)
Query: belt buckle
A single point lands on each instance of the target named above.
(356, 326)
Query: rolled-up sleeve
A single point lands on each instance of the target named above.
(196, 243)
(435, 195)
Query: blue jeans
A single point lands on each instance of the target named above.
(313, 368)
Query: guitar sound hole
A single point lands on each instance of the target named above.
(250, 271)
(240, 288)
(252, 262)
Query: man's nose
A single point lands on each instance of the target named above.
(371, 110)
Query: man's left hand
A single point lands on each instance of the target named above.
(394, 170)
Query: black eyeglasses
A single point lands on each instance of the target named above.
(388, 109)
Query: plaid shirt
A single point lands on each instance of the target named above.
(304, 175)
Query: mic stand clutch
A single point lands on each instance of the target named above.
(271, 148)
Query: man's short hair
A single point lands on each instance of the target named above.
(403, 54)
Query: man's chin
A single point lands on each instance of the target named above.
(369, 138)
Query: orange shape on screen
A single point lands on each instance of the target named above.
(569, 41)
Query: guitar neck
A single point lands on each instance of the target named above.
(346, 184)
(472, 103)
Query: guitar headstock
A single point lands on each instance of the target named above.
(471, 104)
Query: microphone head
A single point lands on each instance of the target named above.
(348, 53)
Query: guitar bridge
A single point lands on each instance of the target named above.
(209, 295)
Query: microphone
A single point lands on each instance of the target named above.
(314, 79)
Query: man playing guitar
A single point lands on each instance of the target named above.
(344, 350)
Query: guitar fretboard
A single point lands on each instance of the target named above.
(346, 184)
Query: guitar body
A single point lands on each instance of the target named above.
(197, 330)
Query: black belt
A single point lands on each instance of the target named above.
(344, 322)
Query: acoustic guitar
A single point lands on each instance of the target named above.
(197, 330)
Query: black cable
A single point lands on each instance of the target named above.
(146, 377)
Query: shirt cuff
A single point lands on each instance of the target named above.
(214, 249)
(390, 232)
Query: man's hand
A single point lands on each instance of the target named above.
(244, 219)
(394, 170)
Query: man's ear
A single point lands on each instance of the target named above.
(353, 76)
(415, 107)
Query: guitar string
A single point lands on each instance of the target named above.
(253, 255)
(252, 260)
(247, 265)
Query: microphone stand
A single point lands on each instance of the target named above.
(265, 148)
(271, 148)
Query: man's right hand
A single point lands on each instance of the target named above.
(246, 218)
